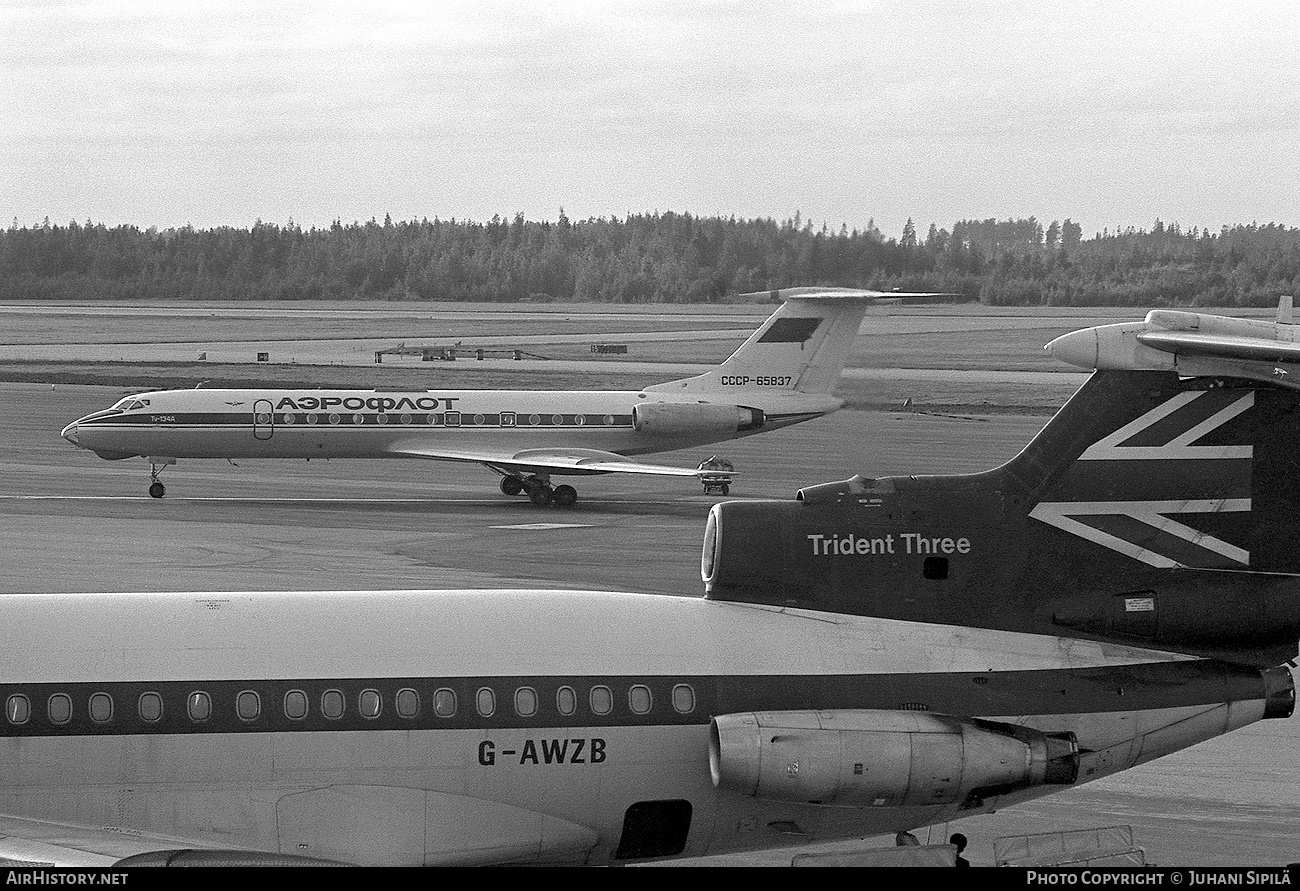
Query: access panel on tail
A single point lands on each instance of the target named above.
(1150, 509)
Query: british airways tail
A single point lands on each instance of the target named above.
(800, 349)
(1151, 508)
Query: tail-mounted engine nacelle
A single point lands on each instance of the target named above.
(765, 549)
(696, 418)
(879, 758)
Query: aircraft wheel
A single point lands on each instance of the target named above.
(565, 496)
(511, 485)
(726, 489)
(541, 496)
(157, 490)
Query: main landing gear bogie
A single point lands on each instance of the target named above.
(539, 491)
(560, 496)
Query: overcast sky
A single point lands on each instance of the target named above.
(166, 113)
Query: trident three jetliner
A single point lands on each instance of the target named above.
(782, 375)
(488, 727)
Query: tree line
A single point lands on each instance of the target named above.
(650, 258)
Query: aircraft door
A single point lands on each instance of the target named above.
(263, 419)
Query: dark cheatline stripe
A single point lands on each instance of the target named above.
(288, 420)
(1123, 688)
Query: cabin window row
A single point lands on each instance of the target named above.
(442, 419)
(526, 703)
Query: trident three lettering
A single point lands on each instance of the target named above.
(903, 543)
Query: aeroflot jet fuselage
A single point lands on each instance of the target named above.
(524, 433)
(783, 374)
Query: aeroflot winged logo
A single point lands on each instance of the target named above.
(1172, 462)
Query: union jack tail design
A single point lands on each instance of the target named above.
(1169, 473)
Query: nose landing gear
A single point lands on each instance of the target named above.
(156, 467)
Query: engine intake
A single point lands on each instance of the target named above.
(881, 758)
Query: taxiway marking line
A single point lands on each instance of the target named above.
(538, 527)
(342, 501)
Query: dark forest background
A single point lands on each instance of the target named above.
(650, 258)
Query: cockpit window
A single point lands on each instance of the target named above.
(130, 403)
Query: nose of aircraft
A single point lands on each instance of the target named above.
(70, 433)
(1078, 348)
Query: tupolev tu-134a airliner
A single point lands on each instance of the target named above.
(782, 375)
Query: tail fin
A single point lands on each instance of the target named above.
(1173, 474)
(801, 347)
(1150, 509)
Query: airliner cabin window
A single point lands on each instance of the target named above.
(444, 703)
(295, 705)
(18, 709)
(60, 708)
(408, 702)
(101, 708)
(602, 700)
(451, 418)
(486, 700)
(639, 699)
(248, 705)
(684, 698)
(566, 701)
(370, 704)
(150, 707)
(525, 702)
(331, 704)
(199, 705)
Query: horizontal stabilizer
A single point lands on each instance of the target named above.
(857, 294)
